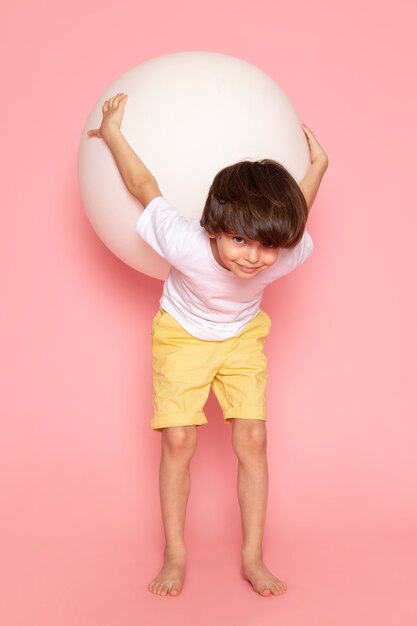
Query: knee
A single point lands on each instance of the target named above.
(249, 439)
(180, 440)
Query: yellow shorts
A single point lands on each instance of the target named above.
(184, 368)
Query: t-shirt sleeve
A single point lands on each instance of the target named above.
(301, 251)
(166, 230)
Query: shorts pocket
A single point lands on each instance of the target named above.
(267, 318)
(156, 321)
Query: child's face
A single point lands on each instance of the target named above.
(244, 257)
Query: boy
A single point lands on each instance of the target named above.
(210, 329)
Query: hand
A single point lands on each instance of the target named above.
(113, 110)
(317, 154)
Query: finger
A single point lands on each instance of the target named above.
(94, 132)
(120, 99)
(105, 106)
(308, 131)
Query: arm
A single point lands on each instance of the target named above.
(319, 162)
(136, 176)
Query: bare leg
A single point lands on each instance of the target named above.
(178, 444)
(249, 442)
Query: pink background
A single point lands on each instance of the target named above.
(79, 482)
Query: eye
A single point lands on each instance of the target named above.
(238, 240)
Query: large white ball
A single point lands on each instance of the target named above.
(188, 115)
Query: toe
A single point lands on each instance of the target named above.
(175, 588)
(264, 591)
(278, 589)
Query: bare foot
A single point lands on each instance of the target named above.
(170, 578)
(263, 582)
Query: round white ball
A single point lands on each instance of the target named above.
(188, 115)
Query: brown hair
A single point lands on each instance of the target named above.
(256, 200)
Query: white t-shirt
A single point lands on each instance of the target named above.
(208, 300)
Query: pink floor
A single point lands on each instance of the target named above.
(340, 580)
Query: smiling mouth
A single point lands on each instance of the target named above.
(248, 269)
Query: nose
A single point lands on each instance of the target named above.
(252, 254)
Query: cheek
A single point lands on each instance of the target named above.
(228, 251)
(270, 258)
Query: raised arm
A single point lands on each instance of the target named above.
(319, 162)
(136, 176)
